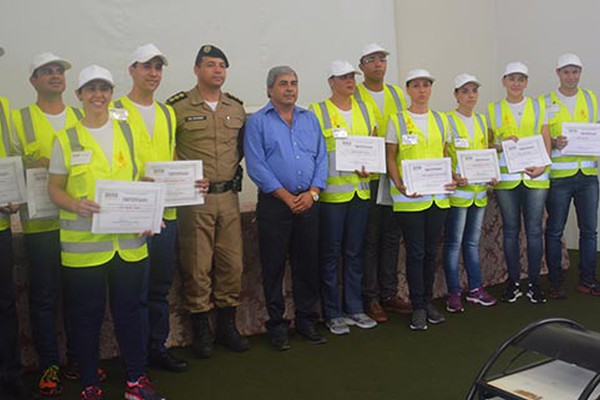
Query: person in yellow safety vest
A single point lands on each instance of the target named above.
(35, 127)
(468, 202)
(99, 147)
(571, 177)
(153, 128)
(511, 119)
(11, 374)
(344, 205)
(380, 280)
(419, 133)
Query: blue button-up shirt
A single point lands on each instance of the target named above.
(279, 155)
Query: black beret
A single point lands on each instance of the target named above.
(208, 50)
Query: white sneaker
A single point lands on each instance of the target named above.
(361, 320)
(338, 326)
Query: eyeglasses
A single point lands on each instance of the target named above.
(372, 59)
(46, 71)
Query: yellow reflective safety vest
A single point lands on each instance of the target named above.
(426, 147)
(80, 247)
(341, 185)
(586, 110)
(461, 139)
(5, 146)
(160, 146)
(36, 135)
(503, 124)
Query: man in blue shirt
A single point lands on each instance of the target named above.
(286, 158)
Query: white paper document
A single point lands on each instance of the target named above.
(478, 166)
(12, 181)
(428, 176)
(39, 204)
(583, 139)
(128, 207)
(352, 153)
(527, 152)
(179, 178)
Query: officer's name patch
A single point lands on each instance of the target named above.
(195, 118)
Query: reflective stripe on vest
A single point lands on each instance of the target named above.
(574, 165)
(468, 195)
(5, 132)
(327, 119)
(27, 125)
(590, 106)
(80, 224)
(438, 120)
(536, 113)
(164, 109)
(77, 113)
(395, 96)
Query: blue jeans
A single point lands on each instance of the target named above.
(86, 289)
(342, 232)
(463, 226)
(10, 351)
(43, 257)
(157, 283)
(583, 190)
(529, 203)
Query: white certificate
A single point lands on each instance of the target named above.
(427, 176)
(584, 139)
(352, 153)
(179, 178)
(478, 166)
(527, 152)
(39, 204)
(128, 207)
(12, 181)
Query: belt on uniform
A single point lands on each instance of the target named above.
(220, 187)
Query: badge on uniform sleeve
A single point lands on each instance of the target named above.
(340, 133)
(410, 139)
(81, 157)
(461, 143)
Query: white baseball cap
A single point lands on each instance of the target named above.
(568, 59)
(372, 48)
(46, 58)
(516, 68)
(419, 73)
(463, 79)
(92, 73)
(340, 68)
(146, 53)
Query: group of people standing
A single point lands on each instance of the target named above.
(308, 212)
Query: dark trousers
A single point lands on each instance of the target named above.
(10, 359)
(421, 231)
(380, 277)
(43, 256)
(282, 233)
(86, 297)
(157, 284)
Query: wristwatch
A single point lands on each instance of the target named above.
(314, 195)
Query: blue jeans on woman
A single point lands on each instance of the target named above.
(343, 227)
(463, 226)
(529, 203)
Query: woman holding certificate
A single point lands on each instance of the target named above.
(96, 148)
(344, 207)
(468, 202)
(419, 136)
(521, 191)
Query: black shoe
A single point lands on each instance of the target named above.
(203, 343)
(15, 390)
(311, 334)
(434, 316)
(512, 292)
(167, 361)
(227, 334)
(535, 294)
(280, 341)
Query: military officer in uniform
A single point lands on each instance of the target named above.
(209, 128)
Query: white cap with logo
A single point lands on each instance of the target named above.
(463, 79)
(340, 68)
(372, 48)
(94, 72)
(419, 74)
(516, 67)
(146, 53)
(568, 59)
(46, 58)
